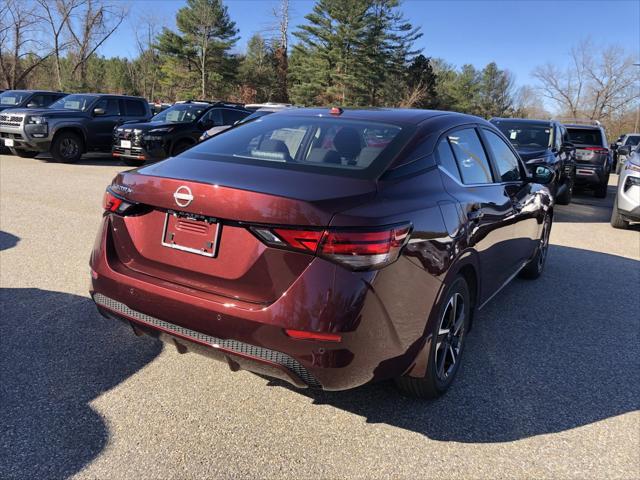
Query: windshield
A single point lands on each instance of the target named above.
(526, 134)
(181, 112)
(585, 136)
(73, 102)
(325, 145)
(632, 140)
(10, 98)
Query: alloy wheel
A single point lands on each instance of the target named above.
(544, 243)
(450, 337)
(68, 148)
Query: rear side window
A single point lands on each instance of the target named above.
(470, 157)
(232, 116)
(505, 160)
(585, 136)
(447, 160)
(326, 145)
(134, 108)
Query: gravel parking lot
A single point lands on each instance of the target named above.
(550, 386)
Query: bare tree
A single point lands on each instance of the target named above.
(281, 51)
(89, 29)
(145, 70)
(19, 42)
(597, 83)
(56, 14)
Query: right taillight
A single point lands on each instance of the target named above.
(357, 249)
(114, 203)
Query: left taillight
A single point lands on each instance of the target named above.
(114, 203)
(356, 249)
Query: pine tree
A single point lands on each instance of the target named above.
(257, 69)
(495, 92)
(206, 35)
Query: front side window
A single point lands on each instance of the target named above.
(470, 157)
(111, 106)
(73, 102)
(632, 140)
(506, 161)
(325, 145)
(181, 112)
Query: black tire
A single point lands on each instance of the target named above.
(132, 162)
(617, 220)
(600, 191)
(67, 147)
(443, 362)
(23, 153)
(180, 147)
(565, 198)
(535, 267)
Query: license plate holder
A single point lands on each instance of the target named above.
(125, 143)
(191, 233)
(8, 142)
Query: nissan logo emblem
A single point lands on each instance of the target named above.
(183, 196)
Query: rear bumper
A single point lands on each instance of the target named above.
(588, 174)
(381, 333)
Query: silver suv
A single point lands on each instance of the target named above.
(625, 146)
(626, 207)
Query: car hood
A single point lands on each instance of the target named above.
(49, 112)
(146, 126)
(530, 153)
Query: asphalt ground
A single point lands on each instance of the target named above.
(549, 387)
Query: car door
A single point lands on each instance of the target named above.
(102, 125)
(487, 207)
(510, 172)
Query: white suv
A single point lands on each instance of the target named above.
(626, 207)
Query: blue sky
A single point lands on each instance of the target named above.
(518, 35)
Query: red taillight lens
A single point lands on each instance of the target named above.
(597, 150)
(114, 203)
(357, 249)
(110, 202)
(304, 335)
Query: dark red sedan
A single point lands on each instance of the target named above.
(296, 247)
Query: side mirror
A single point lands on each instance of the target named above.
(99, 111)
(626, 150)
(542, 175)
(567, 147)
(32, 105)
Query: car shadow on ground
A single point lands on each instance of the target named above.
(585, 208)
(7, 240)
(544, 356)
(58, 354)
(91, 159)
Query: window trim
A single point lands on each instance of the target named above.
(468, 126)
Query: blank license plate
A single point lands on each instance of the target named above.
(191, 233)
(125, 143)
(8, 142)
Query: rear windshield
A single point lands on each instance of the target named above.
(585, 136)
(526, 134)
(181, 112)
(12, 98)
(326, 145)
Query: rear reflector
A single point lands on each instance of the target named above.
(304, 335)
(357, 249)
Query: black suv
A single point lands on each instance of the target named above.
(72, 125)
(593, 157)
(543, 142)
(173, 130)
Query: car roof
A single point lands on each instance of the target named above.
(133, 97)
(407, 116)
(583, 127)
(532, 121)
(34, 91)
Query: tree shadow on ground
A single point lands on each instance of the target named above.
(58, 354)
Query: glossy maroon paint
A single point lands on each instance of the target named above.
(251, 292)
